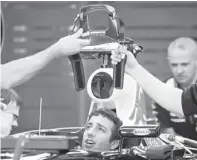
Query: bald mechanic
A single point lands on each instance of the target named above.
(182, 59)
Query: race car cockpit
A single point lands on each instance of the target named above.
(63, 144)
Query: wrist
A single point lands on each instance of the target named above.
(134, 68)
(134, 71)
(48, 54)
(54, 50)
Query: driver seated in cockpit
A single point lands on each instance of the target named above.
(101, 131)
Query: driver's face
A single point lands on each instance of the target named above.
(97, 134)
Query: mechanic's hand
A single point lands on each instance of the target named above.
(117, 57)
(71, 44)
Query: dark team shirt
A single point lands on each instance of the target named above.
(187, 126)
(189, 100)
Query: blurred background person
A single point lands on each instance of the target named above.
(182, 58)
(10, 105)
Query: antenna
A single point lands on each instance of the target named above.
(40, 115)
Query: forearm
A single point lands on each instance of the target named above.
(19, 71)
(166, 96)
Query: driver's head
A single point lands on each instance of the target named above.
(101, 132)
(10, 105)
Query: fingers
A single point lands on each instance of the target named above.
(115, 57)
(123, 50)
(122, 47)
(78, 33)
(114, 61)
(84, 42)
(116, 54)
(86, 34)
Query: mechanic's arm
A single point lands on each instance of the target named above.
(19, 71)
(166, 96)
